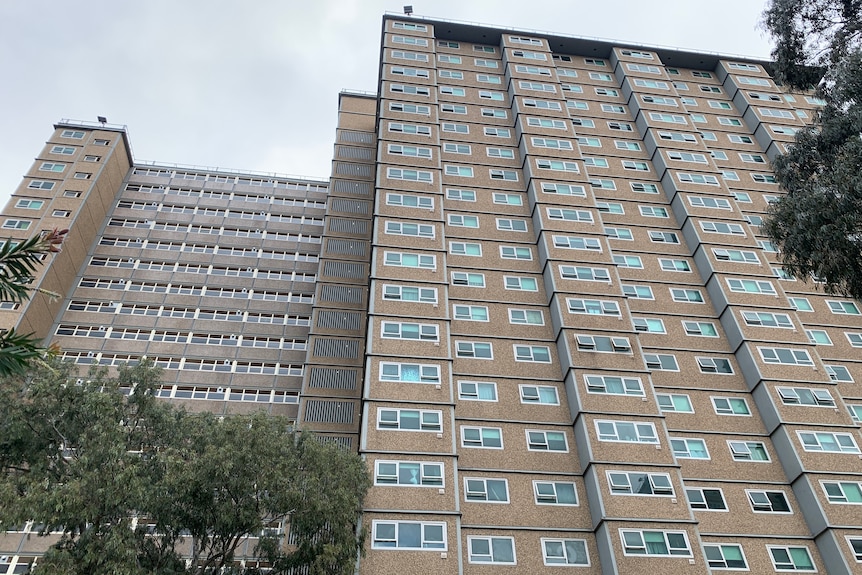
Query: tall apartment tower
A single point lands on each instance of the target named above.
(533, 295)
(580, 350)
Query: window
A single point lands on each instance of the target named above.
(409, 26)
(409, 419)
(515, 253)
(660, 362)
(412, 40)
(730, 406)
(724, 556)
(671, 265)
(843, 492)
(619, 233)
(409, 201)
(583, 123)
(452, 91)
(626, 431)
(410, 175)
(785, 355)
(520, 283)
(28, 204)
(843, 307)
(817, 336)
(565, 552)
(542, 394)
(613, 385)
(486, 63)
(409, 260)
(526, 317)
(805, 396)
(601, 77)
(507, 199)
(463, 221)
(670, 118)
(634, 483)
(486, 49)
(714, 365)
(591, 162)
(74, 134)
(557, 144)
(722, 228)
(408, 293)
(697, 179)
(468, 279)
(637, 291)
(410, 473)
(603, 184)
(593, 306)
(603, 344)
(461, 171)
(532, 353)
(648, 325)
(633, 262)
(709, 499)
(790, 558)
(631, 146)
(800, 304)
(687, 157)
(477, 391)
(465, 249)
(838, 373)
(412, 151)
(499, 550)
(448, 59)
(577, 243)
(689, 448)
(700, 328)
(663, 237)
(686, 295)
(16, 224)
(486, 490)
(455, 128)
(751, 286)
(655, 543)
(40, 185)
(63, 150)
(488, 95)
(555, 493)
(409, 229)
(748, 451)
(482, 437)
(739, 256)
(51, 167)
(475, 350)
(570, 215)
(494, 113)
(409, 108)
(507, 175)
(546, 441)
(409, 129)
(610, 207)
(410, 372)
(679, 403)
(412, 72)
(460, 195)
(558, 165)
(510, 225)
(470, 312)
(828, 442)
(408, 535)
(620, 127)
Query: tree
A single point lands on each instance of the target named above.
(817, 225)
(138, 486)
(18, 261)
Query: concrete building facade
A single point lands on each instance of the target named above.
(533, 295)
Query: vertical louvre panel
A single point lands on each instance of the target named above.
(321, 411)
(339, 320)
(330, 378)
(341, 294)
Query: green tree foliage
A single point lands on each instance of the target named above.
(818, 224)
(18, 262)
(137, 486)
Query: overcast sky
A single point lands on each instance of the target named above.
(253, 84)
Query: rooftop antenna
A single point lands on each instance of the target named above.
(103, 120)
(408, 10)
